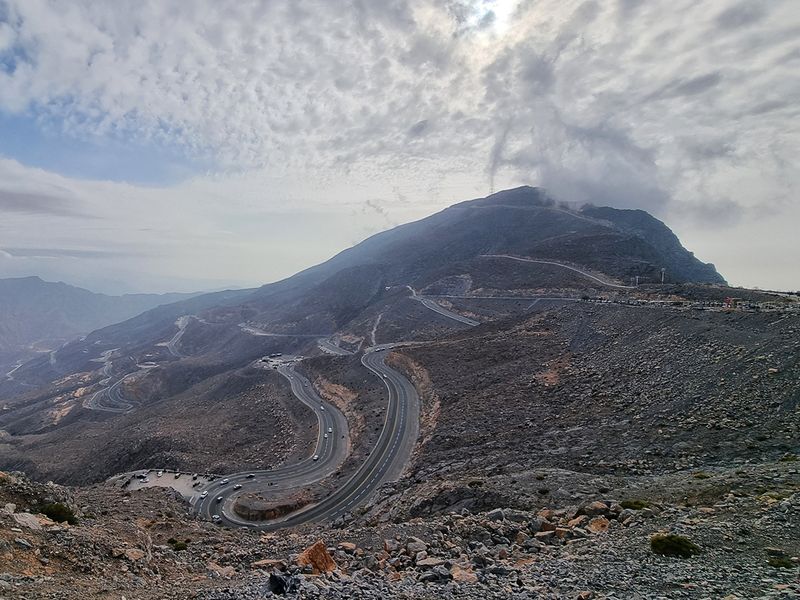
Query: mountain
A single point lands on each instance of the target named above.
(38, 315)
(482, 403)
(514, 243)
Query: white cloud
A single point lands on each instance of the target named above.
(683, 108)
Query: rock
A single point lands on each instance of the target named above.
(23, 543)
(545, 536)
(219, 571)
(282, 584)
(578, 521)
(269, 563)
(547, 526)
(535, 525)
(594, 509)
(563, 533)
(117, 552)
(437, 574)
(134, 554)
(391, 546)
(317, 557)
(626, 514)
(463, 575)
(496, 515)
(348, 547)
(414, 545)
(429, 562)
(598, 525)
(28, 520)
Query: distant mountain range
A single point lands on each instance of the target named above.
(41, 315)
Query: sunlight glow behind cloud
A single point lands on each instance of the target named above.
(375, 112)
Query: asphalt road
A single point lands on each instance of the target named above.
(563, 266)
(385, 462)
(172, 345)
(331, 449)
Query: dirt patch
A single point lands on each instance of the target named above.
(431, 404)
(344, 399)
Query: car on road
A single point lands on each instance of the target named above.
(204, 494)
(325, 436)
(220, 499)
(215, 518)
(194, 476)
(330, 429)
(321, 407)
(238, 486)
(177, 475)
(316, 457)
(146, 480)
(159, 474)
(224, 481)
(251, 476)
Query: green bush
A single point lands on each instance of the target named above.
(701, 475)
(58, 512)
(669, 544)
(179, 546)
(780, 562)
(789, 458)
(634, 504)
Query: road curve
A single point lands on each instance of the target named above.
(435, 307)
(331, 449)
(385, 462)
(558, 264)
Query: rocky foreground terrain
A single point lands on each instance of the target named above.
(143, 545)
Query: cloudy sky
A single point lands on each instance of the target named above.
(172, 145)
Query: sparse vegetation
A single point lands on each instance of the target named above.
(59, 512)
(670, 544)
(634, 504)
(780, 562)
(701, 475)
(789, 458)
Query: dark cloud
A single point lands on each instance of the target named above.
(37, 203)
(418, 128)
(742, 14)
(691, 87)
(705, 150)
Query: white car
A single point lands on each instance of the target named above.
(325, 436)
(316, 457)
(238, 486)
(224, 481)
(330, 429)
(220, 499)
(159, 474)
(215, 518)
(204, 494)
(321, 407)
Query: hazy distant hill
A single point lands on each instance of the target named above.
(37, 314)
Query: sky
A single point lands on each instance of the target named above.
(166, 145)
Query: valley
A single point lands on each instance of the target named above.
(488, 402)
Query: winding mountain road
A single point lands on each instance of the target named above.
(385, 462)
(563, 266)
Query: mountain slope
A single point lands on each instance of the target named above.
(44, 314)
(381, 290)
